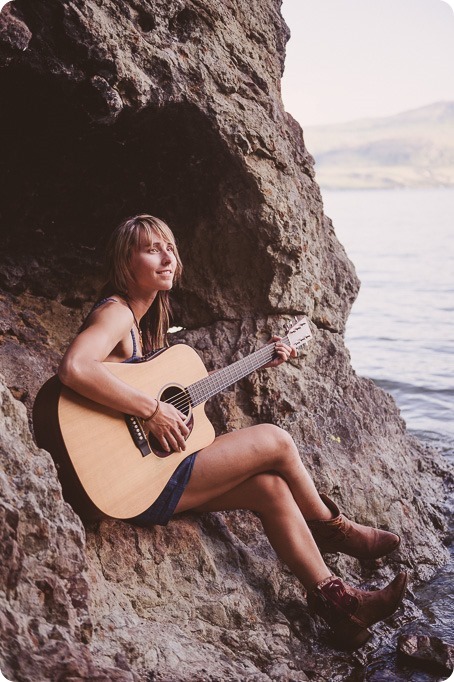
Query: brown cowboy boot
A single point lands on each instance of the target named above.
(339, 534)
(349, 612)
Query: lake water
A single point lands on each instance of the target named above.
(400, 333)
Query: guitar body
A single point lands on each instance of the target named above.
(106, 463)
(102, 470)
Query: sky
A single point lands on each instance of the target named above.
(352, 59)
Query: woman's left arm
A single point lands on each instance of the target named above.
(283, 352)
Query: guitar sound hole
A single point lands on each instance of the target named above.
(178, 397)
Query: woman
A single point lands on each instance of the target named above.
(256, 468)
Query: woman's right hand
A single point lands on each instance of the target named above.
(167, 425)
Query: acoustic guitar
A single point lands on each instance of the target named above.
(106, 463)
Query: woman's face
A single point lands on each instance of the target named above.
(153, 263)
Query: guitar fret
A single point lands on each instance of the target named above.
(206, 388)
(209, 386)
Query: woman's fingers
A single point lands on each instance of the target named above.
(184, 428)
(284, 351)
(176, 441)
(176, 436)
(169, 428)
(164, 443)
(171, 442)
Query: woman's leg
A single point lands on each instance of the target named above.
(259, 469)
(270, 497)
(234, 457)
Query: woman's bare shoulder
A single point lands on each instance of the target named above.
(113, 312)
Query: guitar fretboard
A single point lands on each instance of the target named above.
(214, 383)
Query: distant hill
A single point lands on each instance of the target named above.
(412, 149)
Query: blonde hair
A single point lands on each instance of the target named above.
(123, 241)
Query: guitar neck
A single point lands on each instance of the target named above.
(216, 382)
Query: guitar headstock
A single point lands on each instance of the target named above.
(299, 332)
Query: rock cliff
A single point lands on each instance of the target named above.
(111, 108)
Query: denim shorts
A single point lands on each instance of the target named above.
(162, 509)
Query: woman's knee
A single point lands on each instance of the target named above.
(281, 445)
(272, 491)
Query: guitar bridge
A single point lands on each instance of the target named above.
(137, 434)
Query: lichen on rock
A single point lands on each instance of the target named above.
(111, 108)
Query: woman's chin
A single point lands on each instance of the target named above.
(166, 286)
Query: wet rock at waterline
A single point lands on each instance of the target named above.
(430, 653)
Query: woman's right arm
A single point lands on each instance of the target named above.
(82, 370)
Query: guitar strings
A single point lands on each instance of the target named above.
(179, 401)
(182, 400)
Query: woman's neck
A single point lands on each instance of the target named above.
(140, 303)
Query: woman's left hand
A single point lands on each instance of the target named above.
(283, 352)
